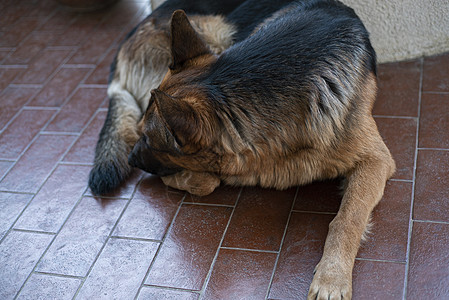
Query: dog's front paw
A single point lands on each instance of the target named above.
(330, 283)
(196, 183)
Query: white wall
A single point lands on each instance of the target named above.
(401, 29)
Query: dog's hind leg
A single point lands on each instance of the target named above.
(365, 186)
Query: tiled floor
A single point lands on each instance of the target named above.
(151, 242)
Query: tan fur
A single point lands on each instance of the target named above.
(196, 183)
(343, 142)
(142, 62)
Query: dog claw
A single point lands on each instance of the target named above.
(330, 285)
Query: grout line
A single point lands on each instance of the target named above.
(52, 241)
(208, 204)
(381, 260)
(27, 85)
(170, 288)
(209, 273)
(40, 108)
(431, 221)
(313, 212)
(59, 133)
(58, 275)
(20, 193)
(61, 48)
(27, 146)
(25, 66)
(410, 224)
(83, 280)
(79, 66)
(134, 238)
(44, 182)
(437, 93)
(395, 117)
(34, 231)
(281, 244)
(160, 245)
(433, 149)
(15, 221)
(16, 115)
(400, 180)
(249, 250)
(74, 163)
(94, 86)
(78, 136)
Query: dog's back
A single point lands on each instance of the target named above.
(309, 65)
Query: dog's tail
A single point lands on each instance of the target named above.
(117, 137)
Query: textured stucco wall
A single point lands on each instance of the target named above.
(402, 29)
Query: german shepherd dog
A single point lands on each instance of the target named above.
(141, 63)
(288, 105)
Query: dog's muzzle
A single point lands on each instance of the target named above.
(142, 157)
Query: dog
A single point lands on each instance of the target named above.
(287, 105)
(142, 61)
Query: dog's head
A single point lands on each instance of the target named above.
(179, 124)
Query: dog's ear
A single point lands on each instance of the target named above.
(185, 41)
(187, 124)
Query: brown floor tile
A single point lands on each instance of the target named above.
(151, 210)
(322, 196)
(75, 114)
(434, 121)
(93, 50)
(377, 280)
(301, 251)
(21, 131)
(125, 262)
(190, 247)
(4, 167)
(11, 205)
(436, 73)
(150, 292)
(101, 73)
(16, 32)
(11, 100)
(432, 180)
(398, 89)
(36, 164)
(57, 197)
(4, 53)
(41, 286)
(60, 21)
(57, 90)
(30, 47)
(76, 33)
(19, 253)
(7, 75)
(240, 275)
(42, 66)
(81, 238)
(83, 151)
(387, 239)
(125, 191)
(259, 219)
(224, 195)
(428, 275)
(400, 137)
(122, 13)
